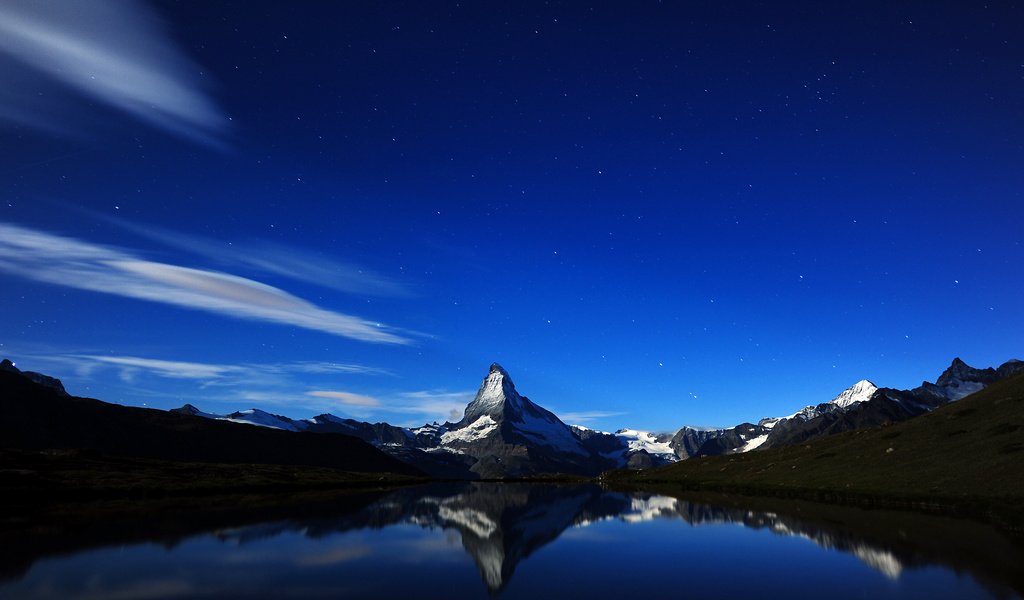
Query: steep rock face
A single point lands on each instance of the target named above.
(688, 441)
(598, 442)
(960, 380)
(743, 437)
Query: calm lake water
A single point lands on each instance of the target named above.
(515, 541)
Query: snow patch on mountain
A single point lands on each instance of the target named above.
(637, 440)
(478, 429)
(754, 443)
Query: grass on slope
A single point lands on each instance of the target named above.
(968, 451)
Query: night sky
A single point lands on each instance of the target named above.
(651, 214)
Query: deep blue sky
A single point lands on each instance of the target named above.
(651, 214)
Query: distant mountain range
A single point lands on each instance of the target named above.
(861, 405)
(502, 434)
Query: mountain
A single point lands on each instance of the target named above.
(41, 416)
(965, 454)
(44, 380)
(501, 434)
(416, 447)
(887, 405)
(632, 448)
(861, 405)
(690, 442)
(510, 436)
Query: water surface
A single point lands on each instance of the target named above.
(514, 541)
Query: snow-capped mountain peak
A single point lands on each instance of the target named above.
(496, 396)
(858, 392)
(500, 421)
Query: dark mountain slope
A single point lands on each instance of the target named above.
(38, 417)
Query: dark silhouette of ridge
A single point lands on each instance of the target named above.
(38, 417)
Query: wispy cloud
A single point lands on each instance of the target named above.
(320, 367)
(434, 403)
(69, 262)
(346, 398)
(166, 368)
(271, 374)
(587, 416)
(414, 408)
(112, 51)
(271, 258)
(296, 389)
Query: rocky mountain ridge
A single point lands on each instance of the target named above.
(503, 434)
(861, 405)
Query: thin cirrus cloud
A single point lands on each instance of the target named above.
(416, 407)
(208, 373)
(272, 258)
(66, 261)
(437, 403)
(164, 368)
(587, 416)
(113, 51)
(346, 398)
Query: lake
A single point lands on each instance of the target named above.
(512, 540)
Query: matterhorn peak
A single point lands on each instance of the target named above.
(497, 394)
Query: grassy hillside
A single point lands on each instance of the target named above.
(969, 452)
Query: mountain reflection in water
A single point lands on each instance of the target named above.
(500, 525)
